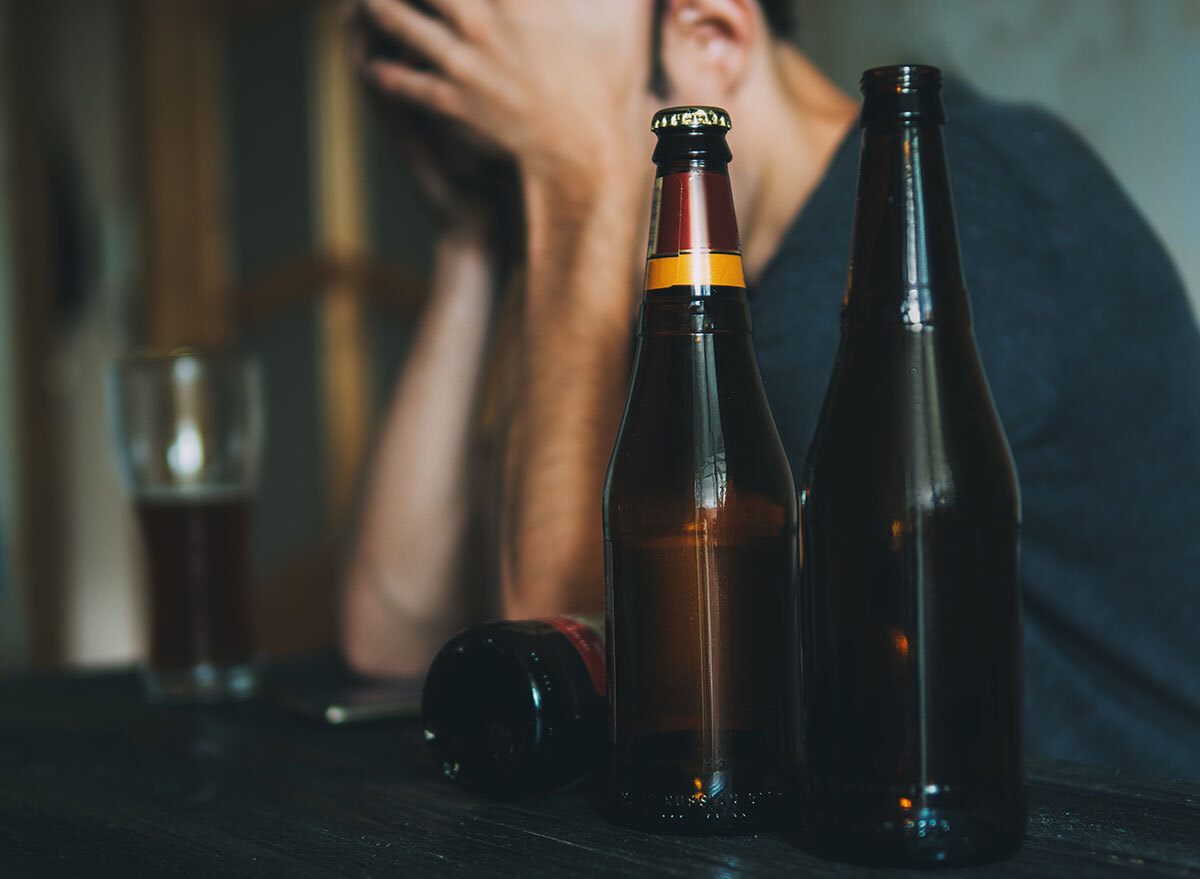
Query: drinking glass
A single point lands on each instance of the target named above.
(189, 435)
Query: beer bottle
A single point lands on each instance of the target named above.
(699, 522)
(516, 707)
(909, 519)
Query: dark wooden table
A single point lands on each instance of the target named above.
(95, 783)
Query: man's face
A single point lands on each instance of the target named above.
(622, 33)
(573, 81)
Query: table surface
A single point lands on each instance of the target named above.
(95, 782)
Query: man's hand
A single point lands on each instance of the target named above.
(559, 85)
(469, 186)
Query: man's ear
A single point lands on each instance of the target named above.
(707, 46)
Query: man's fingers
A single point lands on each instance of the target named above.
(472, 18)
(427, 36)
(422, 87)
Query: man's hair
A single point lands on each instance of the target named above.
(781, 21)
(780, 15)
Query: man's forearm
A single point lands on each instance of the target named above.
(404, 590)
(572, 378)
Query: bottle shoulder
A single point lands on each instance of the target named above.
(733, 518)
(909, 417)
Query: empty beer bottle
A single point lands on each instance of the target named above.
(516, 707)
(909, 516)
(699, 522)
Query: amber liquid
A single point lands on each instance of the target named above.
(198, 566)
(700, 531)
(700, 683)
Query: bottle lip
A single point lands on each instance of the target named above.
(900, 79)
(901, 94)
(705, 144)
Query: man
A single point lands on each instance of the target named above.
(1086, 336)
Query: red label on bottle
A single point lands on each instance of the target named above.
(588, 642)
(694, 213)
(693, 235)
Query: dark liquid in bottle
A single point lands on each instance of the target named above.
(910, 513)
(517, 707)
(912, 694)
(198, 567)
(702, 622)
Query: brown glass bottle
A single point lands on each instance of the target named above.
(700, 524)
(910, 514)
(516, 707)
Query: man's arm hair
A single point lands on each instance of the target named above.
(570, 383)
(405, 592)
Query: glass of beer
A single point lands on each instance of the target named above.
(189, 433)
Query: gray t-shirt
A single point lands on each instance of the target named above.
(1093, 356)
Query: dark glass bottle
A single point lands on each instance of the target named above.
(514, 708)
(699, 523)
(909, 514)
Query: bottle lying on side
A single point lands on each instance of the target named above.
(517, 707)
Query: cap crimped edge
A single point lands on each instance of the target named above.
(690, 117)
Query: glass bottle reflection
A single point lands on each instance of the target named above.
(700, 523)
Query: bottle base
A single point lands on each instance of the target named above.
(729, 814)
(673, 783)
(912, 833)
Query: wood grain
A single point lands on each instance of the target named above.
(97, 783)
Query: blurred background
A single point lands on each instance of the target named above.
(206, 171)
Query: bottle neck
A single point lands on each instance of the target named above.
(904, 260)
(694, 245)
(694, 280)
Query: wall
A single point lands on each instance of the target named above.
(1123, 72)
(88, 105)
(11, 647)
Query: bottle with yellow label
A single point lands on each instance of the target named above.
(700, 524)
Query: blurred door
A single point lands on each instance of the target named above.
(267, 214)
(253, 119)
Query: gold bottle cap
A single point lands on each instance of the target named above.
(690, 117)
